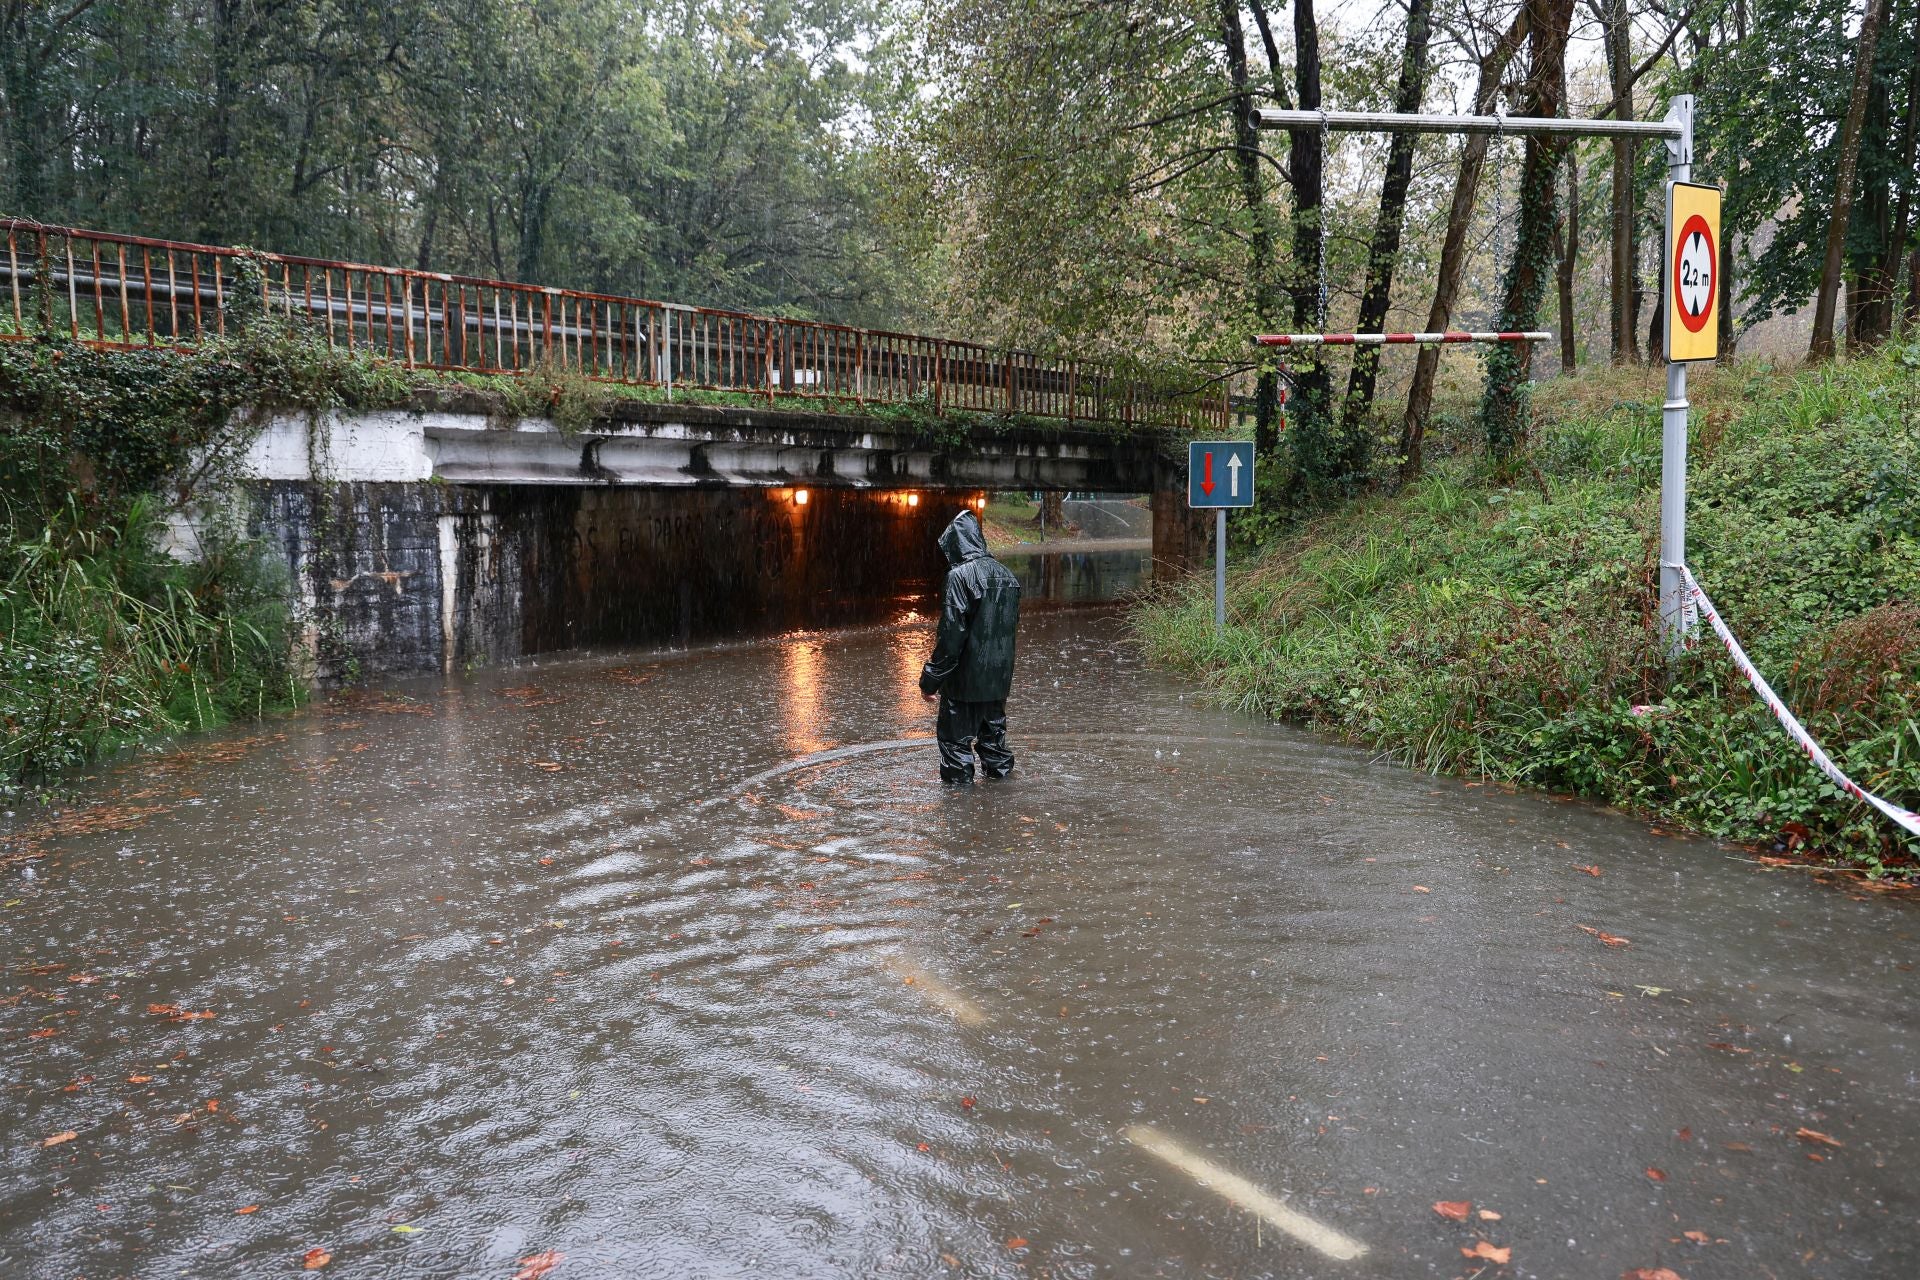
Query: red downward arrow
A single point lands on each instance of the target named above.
(1206, 480)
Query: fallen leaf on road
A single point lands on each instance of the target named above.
(1590, 870)
(1814, 1135)
(139, 1079)
(967, 1103)
(1655, 1174)
(316, 1258)
(1611, 939)
(404, 1229)
(537, 1265)
(248, 1208)
(1488, 1215)
(1491, 1252)
(1730, 1048)
(1698, 1237)
(59, 1138)
(1018, 1242)
(1453, 1210)
(1651, 1273)
(1420, 888)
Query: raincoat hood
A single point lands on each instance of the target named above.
(962, 540)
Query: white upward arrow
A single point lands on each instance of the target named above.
(1233, 476)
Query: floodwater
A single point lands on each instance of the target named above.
(683, 965)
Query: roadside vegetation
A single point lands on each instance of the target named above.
(1499, 622)
(105, 639)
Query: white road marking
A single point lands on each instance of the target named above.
(964, 1011)
(1246, 1195)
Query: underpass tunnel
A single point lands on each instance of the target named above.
(676, 567)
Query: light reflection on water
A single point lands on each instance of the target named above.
(1079, 577)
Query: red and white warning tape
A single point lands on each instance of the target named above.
(1797, 731)
(1394, 339)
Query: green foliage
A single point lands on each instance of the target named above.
(694, 151)
(558, 391)
(1464, 625)
(1770, 106)
(104, 641)
(113, 425)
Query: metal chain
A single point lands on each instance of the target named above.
(1321, 213)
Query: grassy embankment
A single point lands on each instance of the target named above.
(1506, 629)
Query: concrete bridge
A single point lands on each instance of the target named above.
(438, 535)
(443, 532)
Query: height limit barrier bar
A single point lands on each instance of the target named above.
(1678, 621)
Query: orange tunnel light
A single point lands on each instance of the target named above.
(801, 497)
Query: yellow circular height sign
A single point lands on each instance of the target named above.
(1693, 271)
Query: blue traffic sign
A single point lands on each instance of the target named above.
(1220, 473)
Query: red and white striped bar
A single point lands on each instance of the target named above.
(1394, 339)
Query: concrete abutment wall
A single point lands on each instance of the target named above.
(397, 578)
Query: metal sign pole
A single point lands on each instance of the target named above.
(1220, 571)
(1678, 621)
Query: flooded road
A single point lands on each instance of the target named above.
(684, 965)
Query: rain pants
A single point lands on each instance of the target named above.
(972, 664)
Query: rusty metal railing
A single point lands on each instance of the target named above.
(119, 291)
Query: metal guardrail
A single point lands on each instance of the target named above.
(118, 292)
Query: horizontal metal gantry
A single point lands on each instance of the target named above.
(1415, 122)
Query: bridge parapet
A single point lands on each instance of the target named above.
(111, 290)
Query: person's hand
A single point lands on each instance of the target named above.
(931, 697)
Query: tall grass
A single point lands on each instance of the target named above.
(105, 641)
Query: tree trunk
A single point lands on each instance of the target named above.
(1822, 347)
(1911, 312)
(1266, 296)
(1622, 294)
(1453, 249)
(1569, 253)
(1503, 413)
(1869, 291)
(26, 150)
(217, 222)
(1729, 330)
(1321, 457)
(1908, 154)
(1385, 249)
(1053, 521)
(1307, 164)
